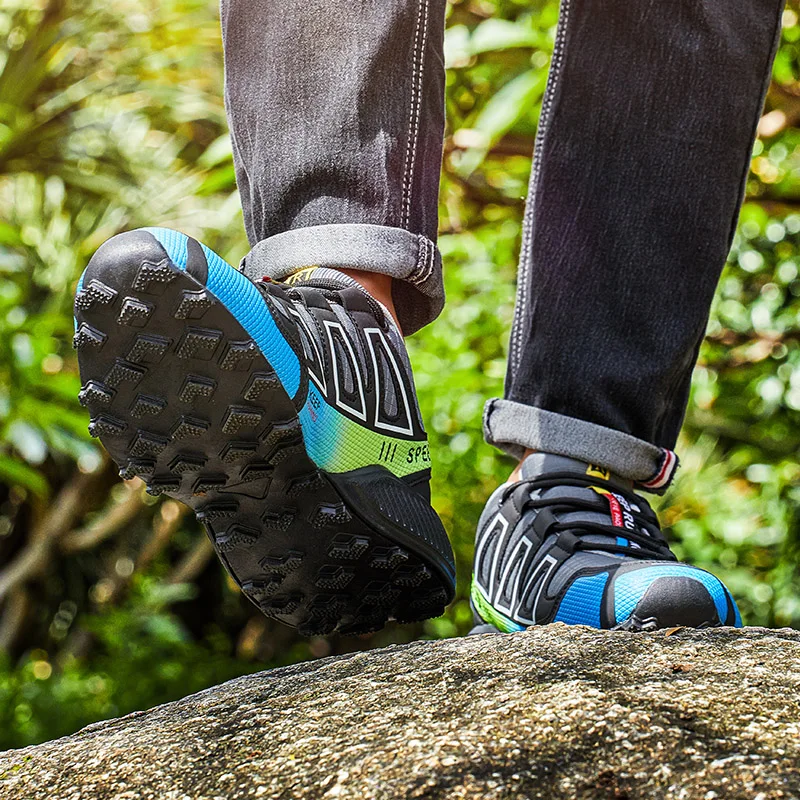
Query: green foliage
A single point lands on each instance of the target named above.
(95, 111)
(144, 656)
(111, 117)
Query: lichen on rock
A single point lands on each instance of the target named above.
(554, 712)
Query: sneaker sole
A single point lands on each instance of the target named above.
(182, 396)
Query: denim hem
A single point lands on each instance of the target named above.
(514, 427)
(412, 259)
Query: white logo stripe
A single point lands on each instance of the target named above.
(483, 544)
(369, 333)
(503, 588)
(318, 379)
(361, 412)
(550, 563)
(501, 540)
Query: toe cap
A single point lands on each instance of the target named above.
(662, 596)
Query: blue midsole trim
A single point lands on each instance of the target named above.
(239, 295)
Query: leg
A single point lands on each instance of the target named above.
(284, 413)
(642, 153)
(641, 160)
(337, 119)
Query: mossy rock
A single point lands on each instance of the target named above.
(555, 712)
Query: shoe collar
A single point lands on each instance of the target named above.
(334, 280)
(539, 464)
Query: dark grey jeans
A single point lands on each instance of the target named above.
(337, 116)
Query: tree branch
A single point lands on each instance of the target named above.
(60, 517)
(108, 522)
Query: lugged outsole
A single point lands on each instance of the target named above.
(631, 625)
(635, 624)
(181, 396)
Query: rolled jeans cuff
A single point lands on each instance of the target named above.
(515, 427)
(412, 259)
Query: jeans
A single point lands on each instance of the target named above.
(336, 112)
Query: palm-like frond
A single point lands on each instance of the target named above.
(99, 132)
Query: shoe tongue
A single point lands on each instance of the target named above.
(537, 464)
(542, 464)
(327, 278)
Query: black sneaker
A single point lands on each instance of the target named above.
(572, 543)
(285, 416)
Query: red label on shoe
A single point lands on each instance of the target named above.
(617, 518)
(619, 508)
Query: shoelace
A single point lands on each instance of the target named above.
(646, 532)
(302, 294)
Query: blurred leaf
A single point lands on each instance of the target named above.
(499, 34)
(500, 114)
(15, 473)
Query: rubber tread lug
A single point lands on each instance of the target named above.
(262, 590)
(207, 484)
(410, 576)
(233, 452)
(239, 356)
(238, 417)
(193, 305)
(387, 557)
(305, 483)
(124, 372)
(236, 536)
(211, 512)
(147, 406)
(95, 392)
(330, 514)
(199, 343)
(147, 444)
(96, 293)
(259, 383)
(137, 468)
(134, 313)
(348, 547)
(279, 520)
(183, 464)
(106, 425)
(153, 277)
(282, 564)
(195, 388)
(333, 576)
(282, 606)
(87, 336)
(162, 485)
(282, 431)
(190, 428)
(148, 349)
(257, 472)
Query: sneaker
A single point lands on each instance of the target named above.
(572, 543)
(285, 416)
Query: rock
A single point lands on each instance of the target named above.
(555, 712)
